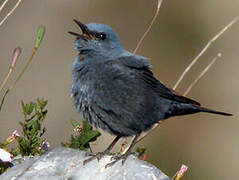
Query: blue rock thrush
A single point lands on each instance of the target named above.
(116, 90)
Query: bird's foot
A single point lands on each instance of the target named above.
(89, 154)
(97, 156)
(119, 157)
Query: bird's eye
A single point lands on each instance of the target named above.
(101, 36)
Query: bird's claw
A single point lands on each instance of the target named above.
(89, 154)
(117, 158)
(97, 156)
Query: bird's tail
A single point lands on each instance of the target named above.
(202, 109)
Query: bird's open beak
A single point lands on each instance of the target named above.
(86, 34)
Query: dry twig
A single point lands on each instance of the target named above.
(4, 4)
(202, 74)
(12, 10)
(204, 49)
(150, 26)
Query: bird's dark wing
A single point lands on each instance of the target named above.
(125, 96)
(145, 73)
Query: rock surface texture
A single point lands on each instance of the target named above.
(67, 164)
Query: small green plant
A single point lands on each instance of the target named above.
(85, 135)
(32, 141)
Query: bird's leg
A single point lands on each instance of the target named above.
(99, 155)
(125, 155)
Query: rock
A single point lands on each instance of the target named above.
(67, 164)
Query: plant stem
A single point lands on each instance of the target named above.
(149, 27)
(201, 74)
(24, 69)
(18, 78)
(6, 79)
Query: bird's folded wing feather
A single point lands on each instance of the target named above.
(143, 69)
(124, 89)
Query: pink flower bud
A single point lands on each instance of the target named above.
(181, 172)
(15, 134)
(16, 53)
(12, 137)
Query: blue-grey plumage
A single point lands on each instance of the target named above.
(116, 90)
(112, 99)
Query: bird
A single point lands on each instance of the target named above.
(116, 90)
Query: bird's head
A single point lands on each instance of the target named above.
(97, 39)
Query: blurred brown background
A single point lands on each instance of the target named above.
(208, 144)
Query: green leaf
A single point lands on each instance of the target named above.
(29, 108)
(75, 123)
(86, 127)
(29, 124)
(41, 103)
(82, 141)
(89, 137)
